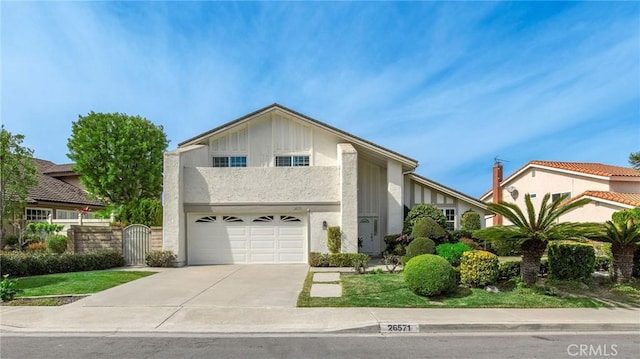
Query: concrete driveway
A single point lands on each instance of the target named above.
(233, 286)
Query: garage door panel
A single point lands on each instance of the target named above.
(226, 239)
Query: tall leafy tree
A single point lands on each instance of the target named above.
(18, 174)
(634, 160)
(119, 156)
(533, 231)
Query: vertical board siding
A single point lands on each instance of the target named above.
(136, 243)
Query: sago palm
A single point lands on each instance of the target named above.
(623, 236)
(534, 230)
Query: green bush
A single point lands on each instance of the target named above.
(423, 210)
(427, 227)
(470, 221)
(505, 247)
(147, 211)
(21, 264)
(57, 243)
(571, 261)
(458, 234)
(336, 259)
(509, 270)
(603, 264)
(8, 289)
(478, 268)
(334, 239)
(160, 259)
(418, 246)
(397, 243)
(452, 252)
(429, 275)
(346, 259)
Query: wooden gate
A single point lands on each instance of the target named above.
(136, 240)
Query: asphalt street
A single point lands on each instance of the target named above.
(454, 345)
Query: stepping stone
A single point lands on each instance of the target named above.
(326, 277)
(326, 290)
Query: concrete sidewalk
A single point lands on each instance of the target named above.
(171, 319)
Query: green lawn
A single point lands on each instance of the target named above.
(75, 282)
(389, 290)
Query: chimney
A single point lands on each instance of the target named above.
(497, 190)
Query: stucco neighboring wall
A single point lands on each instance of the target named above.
(261, 185)
(173, 216)
(348, 161)
(592, 212)
(318, 236)
(625, 186)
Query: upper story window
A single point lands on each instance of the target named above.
(229, 161)
(555, 196)
(37, 214)
(292, 161)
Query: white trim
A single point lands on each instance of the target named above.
(40, 209)
(445, 190)
(614, 203)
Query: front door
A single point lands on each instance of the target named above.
(367, 233)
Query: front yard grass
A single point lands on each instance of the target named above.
(390, 291)
(75, 282)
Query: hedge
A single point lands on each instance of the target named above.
(21, 264)
(336, 259)
(571, 261)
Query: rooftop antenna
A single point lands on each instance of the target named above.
(499, 160)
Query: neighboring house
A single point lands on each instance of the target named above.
(264, 189)
(58, 193)
(610, 188)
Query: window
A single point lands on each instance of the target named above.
(230, 161)
(66, 214)
(37, 214)
(533, 195)
(450, 214)
(555, 196)
(292, 161)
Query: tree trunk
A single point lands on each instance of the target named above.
(532, 251)
(623, 261)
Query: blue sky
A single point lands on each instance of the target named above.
(451, 84)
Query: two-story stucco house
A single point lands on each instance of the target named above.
(264, 188)
(610, 188)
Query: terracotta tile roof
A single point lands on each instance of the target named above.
(598, 169)
(50, 189)
(631, 199)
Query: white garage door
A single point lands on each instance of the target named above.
(228, 239)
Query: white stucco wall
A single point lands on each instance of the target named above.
(318, 236)
(173, 216)
(395, 206)
(348, 162)
(262, 185)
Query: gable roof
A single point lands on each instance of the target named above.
(51, 189)
(275, 106)
(591, 169)
(448, 190)
(628, 199)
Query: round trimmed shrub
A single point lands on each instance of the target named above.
(452, 252)
(427, 227)
(479, 268)
(429, 275)
(422, 210)
(418, 246)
